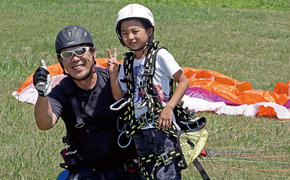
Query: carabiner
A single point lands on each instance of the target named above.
(121, 105)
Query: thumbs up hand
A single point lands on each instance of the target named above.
(41, 79)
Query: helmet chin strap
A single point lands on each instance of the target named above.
(148, 44)
(144, 48)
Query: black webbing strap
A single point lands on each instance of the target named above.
(128, 117)
(200, 169)
(165, 158)
(149, 71)
(80, 122)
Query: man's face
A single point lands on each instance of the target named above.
(78, 60)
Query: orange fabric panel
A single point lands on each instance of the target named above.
(54, 69)
(281, 88)
(27, 82)
(235, 91)
(243, 86)
(266, 111)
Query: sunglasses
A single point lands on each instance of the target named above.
(80, 51)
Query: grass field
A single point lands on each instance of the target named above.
(247, 40)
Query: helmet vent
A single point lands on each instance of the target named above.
(69, 34)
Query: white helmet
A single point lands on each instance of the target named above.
(134, 11)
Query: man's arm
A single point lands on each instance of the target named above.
(44, 117)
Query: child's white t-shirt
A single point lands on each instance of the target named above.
(165, 68)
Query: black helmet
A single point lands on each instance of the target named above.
(72, 36)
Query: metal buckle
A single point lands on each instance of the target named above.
(165, 159)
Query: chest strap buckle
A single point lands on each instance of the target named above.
(165, 159)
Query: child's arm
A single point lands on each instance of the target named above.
(165, 119)
(113, 68)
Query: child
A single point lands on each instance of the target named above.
(135, 30)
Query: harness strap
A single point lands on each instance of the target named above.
(149, 72)
(162, 159)
(80, 122)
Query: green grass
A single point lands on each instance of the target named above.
(247, 40)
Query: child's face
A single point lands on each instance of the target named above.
(133, 34)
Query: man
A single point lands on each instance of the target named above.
(82, 99)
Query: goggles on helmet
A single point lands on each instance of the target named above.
(80, 51)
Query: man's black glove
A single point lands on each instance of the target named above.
(41, 80)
